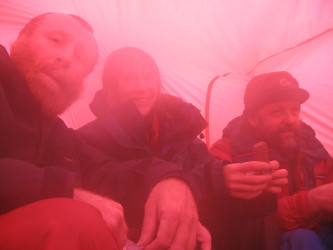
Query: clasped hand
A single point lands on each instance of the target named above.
(242, 181)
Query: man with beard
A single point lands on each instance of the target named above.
(272, 115)
(39, 161)
(42, 160)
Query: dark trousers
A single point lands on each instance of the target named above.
(305, 239)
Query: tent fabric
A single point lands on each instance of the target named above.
(195, 41)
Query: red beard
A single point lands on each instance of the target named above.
(50, 82)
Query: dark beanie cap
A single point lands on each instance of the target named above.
(272, 87)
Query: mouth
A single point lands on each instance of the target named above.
(287, 133)
(142, 100)
(49, 80)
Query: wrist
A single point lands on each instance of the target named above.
(312, 202)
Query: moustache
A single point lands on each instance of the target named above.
(288, 128)
(58, 73)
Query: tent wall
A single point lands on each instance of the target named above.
(195, 40)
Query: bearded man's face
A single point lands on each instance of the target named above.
(54, 60)
(278, 124)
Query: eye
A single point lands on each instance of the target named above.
(295, 110)
(55, 40)
(128, 77)
(276, 111)
(56, 37)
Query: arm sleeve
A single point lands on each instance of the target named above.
(23, 183)
(220, 150)
(293, 211)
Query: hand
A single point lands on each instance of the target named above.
(279, 179)
(321, 198)
(171, 219)
(242, 182)
(112, 213)
(204, 238)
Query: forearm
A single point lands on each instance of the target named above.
(294, 212)
(23, 183)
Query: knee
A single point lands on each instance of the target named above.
(301, 239)
(302, 235)
(67, 213)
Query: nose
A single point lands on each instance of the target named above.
(141, 85)
(290, 117)
(65, 56)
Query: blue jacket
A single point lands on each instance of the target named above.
(121, 133)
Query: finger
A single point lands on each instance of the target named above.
(165, 234)
(280, 173)
(122, 235)
(257, 165)
(250, 179)
(274, 164)
(149, 227)
(204, 238)
(249, 190)
(245, 195)
(185, 237)
(278, 182)
(236, 169)
(273, 189)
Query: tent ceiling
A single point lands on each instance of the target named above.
(194, 41)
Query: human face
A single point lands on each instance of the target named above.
(54, 59)
(278, 124)
(139, 82)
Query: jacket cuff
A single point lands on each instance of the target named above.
(217, 179)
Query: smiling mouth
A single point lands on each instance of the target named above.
(142, 100)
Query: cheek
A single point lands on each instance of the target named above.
(268, 128)
(124, 94)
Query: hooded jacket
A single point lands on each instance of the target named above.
(169, 133)
(311, 167)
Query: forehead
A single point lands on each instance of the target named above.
(278, 105)
(281, 104)
(137, 62)
(65, 25)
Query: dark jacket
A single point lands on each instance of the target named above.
(169, 133)
(32, 147)
(311, 167)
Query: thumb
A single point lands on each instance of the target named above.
(204, 238)
(255, 165)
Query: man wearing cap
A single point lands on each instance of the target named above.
(272, 115)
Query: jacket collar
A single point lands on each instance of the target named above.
(19, 95)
